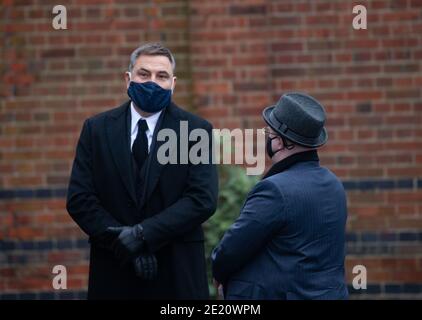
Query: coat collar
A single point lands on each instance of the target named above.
(117, 136)
(286, 163)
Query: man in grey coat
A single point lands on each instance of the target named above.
(288, 242)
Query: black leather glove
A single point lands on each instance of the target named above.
(129, 241)
(146, 266)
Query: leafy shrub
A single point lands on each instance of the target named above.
(233, 189)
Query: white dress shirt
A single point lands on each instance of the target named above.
(151, 122)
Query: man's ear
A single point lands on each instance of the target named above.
(174, 84)
(127, 79)
(280, 142)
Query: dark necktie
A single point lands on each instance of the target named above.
(140, 148)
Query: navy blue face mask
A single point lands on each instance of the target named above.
(149, 96)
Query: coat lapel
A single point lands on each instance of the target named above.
(167, 121)
(118, 141)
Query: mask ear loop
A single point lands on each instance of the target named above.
(287, 146)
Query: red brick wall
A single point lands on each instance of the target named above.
(247, 53)
(233, 59)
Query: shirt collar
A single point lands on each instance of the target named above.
(135, 116)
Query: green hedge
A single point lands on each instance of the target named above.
(233, 189)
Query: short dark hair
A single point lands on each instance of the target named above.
(151, 49)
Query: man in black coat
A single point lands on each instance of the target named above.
(143, 217)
